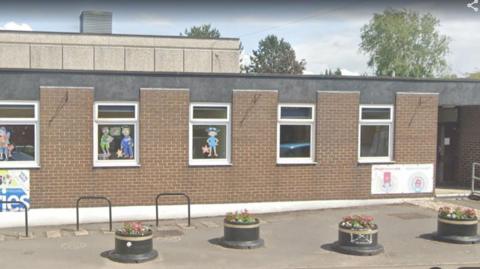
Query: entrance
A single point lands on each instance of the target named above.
(447, 148)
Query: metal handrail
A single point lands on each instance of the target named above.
(94, 198)
(171, 194)
(26, 212)
(475, 166)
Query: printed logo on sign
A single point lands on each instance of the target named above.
(13, 194)
(387, 182)
(417, 182)
(14, 187)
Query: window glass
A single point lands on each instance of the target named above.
(296, 112)
(374, 141)
(295, 141)
(371, 113)
(209, 141)
(17, 111)
(17, 142)
(116, 142)
(111, 111)
(209, 112)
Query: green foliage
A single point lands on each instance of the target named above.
(240, 217)
(329, 72)
(358, 222)
(275, 56)
(405, 44)
(475, 75)
(202, 31)
(458, 213)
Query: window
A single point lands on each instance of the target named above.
(19, 141)
(295, 134)
(376, 133)
(209, 134)
(115, 134)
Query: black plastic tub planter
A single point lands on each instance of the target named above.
(133, 244)
(358, 235)
(457, 225)
(241, 231)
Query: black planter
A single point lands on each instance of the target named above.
(457, 231)
(358, 242)
(241, 235)
(133, 249)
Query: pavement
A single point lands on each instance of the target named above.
(292, 240)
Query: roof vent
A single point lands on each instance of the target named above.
(98, 22)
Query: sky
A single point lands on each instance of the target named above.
(324, 33)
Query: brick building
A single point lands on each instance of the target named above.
(131, 116)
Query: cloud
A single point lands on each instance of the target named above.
(332, 51)
(13, 26)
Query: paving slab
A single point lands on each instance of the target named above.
(2, 237)
(185, 226)
(292, 240)
(53, 234)
(209, 224)
(81, 232)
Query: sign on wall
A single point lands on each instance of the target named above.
(402, 178)
(14, 186)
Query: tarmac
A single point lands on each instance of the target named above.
(292, 240)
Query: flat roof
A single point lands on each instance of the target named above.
(115, 34)
(238, 75)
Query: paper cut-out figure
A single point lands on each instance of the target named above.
(4, 142)
(127, 143)
(105, 142)
(212, 141)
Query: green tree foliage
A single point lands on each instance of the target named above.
(202, 31)
(405, 44)
(275, 56)
(475, 75)
(329, 72)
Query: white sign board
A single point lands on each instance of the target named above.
(402, 178)
(14, 186)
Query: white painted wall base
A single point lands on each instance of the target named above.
(61, 216)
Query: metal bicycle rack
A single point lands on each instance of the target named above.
(26, 212)
(94, 198)
(171, 194)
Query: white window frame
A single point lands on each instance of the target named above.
(116, 121)
(227, 122)
(310, 122)
(26, 121)
(376, 122)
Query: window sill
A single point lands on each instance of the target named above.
(206, 164)
(21, 167)
(375, 162)
(296, 163)
(116, 165)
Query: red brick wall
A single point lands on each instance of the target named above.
(468, 142)
(416, 128)
(66, 150)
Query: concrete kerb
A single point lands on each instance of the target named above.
(64, 216)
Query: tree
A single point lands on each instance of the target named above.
(275, 56)
(475, 75)
(202, 31)
(337, 72)
(405, 44)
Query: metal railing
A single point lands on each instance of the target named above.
(171, 194)
(26, 212)
(94, 198)
(475, 177)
